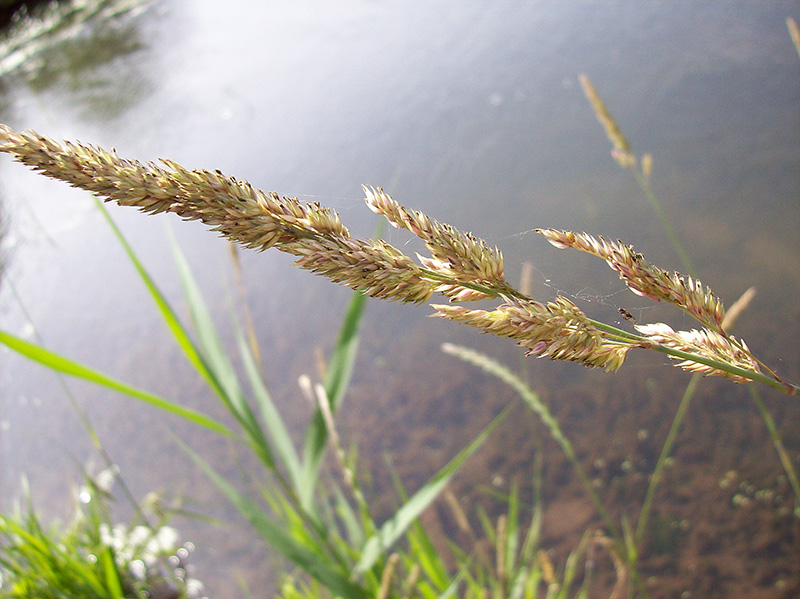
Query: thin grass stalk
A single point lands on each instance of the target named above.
(388, 576)
(666, 224)
(535, 526)
(318, 392)
(783, 455)
(336, 382)
(500, 555)
(249, 324)
(542, 411)
(666, 450)
(411, 582)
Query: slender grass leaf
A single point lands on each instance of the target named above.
(59, 363)
(349, 519)
(167, 313)
(312, 562)
(396, 526)
(421, 546)
(451, 591)
(340, 368)
(273, 421)
(427, 556)
(512, 528)
(216, 359)
(425, 590)
(113, 582)
(211, 347)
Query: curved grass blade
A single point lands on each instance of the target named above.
(340, 368)
(535, 403)
(272, 419)
(112, 576)
(167, 313)
(277, 537)
(59, 363)
(396, 526)
(215, 359)
(211, 349)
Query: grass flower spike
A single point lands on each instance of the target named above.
(703, 343)
(456, 256)
(461, 266)
(645, 279)
(235, 209)
(621, 151)
(558, 330)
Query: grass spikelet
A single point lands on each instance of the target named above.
(737, 308)
(455, 255)
(643, 278)
(622, 149)
(706, 343)
(558, 330)
(794, 32)
(372, 267)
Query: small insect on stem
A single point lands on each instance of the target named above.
(627, 315)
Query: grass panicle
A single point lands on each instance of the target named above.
(461, 266)
(621, 151)
(558, 330)
(706, 343)
(643, 278)
(794, 33)
(455, 255)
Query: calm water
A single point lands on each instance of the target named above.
(471, 112)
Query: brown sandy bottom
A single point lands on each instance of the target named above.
(721, 523)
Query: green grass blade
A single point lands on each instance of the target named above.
(451, 591)
(396, 526)
(420, 545)
(167, 313)
(215, 359)
(113, 582)
(349, 519)
(427, 556)
(59, 363)
(344, 354)
(277, 537)
(214, 355)
(338, 378)
(272, 419)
